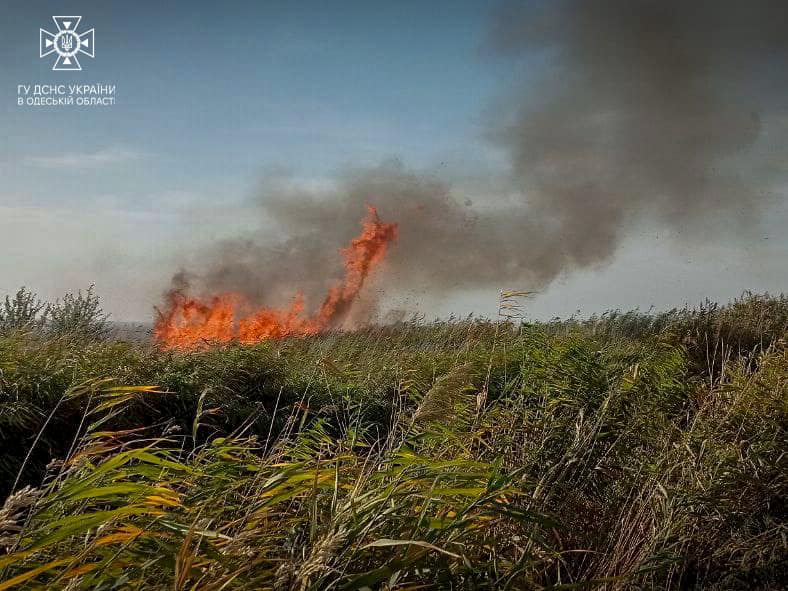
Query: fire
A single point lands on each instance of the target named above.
(190, 322)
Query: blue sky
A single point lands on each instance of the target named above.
(212, 96)
(218, 93)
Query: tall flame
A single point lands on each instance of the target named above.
(189, 322)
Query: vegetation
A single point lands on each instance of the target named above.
(627, 451)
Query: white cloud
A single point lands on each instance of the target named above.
(112, 156)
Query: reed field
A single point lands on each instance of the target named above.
(624, 451)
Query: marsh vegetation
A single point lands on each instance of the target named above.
(626, 451)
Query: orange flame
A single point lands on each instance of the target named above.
(190, 323)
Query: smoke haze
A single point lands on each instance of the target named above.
(635, 110)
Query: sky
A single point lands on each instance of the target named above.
(213, 99)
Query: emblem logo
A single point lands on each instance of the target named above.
(66, 43)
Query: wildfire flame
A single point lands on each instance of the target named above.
(190, 322)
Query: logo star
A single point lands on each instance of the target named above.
(67, 43)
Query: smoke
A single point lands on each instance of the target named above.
(647, 108)
(630, 111)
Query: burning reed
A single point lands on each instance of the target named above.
(190, 322)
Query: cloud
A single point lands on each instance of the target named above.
(112, 156)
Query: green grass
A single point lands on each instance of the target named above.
(628, 451)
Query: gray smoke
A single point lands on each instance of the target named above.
(647, 108)
(630, 111)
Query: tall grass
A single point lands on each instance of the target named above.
(619, 452)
